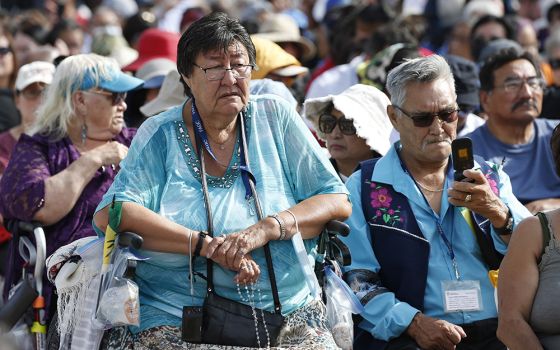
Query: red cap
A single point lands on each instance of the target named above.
(154, 43)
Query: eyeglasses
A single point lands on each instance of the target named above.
(328, 122)
(423, 120)
(513, 85)
(239, 71)
(5, 51)
(116, 97)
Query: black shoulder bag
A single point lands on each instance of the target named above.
(224, 321)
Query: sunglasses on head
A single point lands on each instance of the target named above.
(423, 120)
(116, 97)
(328, 122)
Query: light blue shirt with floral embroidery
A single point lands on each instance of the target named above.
(161, 172)
(385, 316)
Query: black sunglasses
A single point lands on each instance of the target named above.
(423, 120)
(116, 97)
(328, 122)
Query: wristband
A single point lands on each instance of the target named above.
(507, 229)
(201, 236)
(282, 226)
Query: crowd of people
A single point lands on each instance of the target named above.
(227, 133)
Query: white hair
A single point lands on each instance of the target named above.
(57, 111)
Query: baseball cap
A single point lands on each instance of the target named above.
(153, 72)
(494, 46)
(171, 94)
(467, 85)
(116, 81)
(34, 72)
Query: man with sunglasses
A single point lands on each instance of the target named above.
(417, 264)
(512, 96)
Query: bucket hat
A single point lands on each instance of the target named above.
(365, 105)
(282, 28)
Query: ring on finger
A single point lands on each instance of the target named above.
(468, 198)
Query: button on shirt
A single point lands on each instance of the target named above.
(385, 316)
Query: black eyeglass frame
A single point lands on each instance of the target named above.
(424, 120)
(236, 73)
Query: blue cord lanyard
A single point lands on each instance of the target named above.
(448, 242)
(202, 139)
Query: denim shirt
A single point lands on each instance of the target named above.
(161, 172)
(387, 317)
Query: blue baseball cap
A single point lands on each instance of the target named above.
(116, 81)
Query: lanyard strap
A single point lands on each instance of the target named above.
(448, 243)
(251, 186)
(202, 138)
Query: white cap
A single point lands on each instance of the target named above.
(34, 72)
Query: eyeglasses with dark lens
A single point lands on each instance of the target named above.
(328, 122)
(239, 71)
(423, 120)
(4, 50)
(536, 84)
(116, 97)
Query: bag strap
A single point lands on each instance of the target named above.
(210, 263)
(545, 228)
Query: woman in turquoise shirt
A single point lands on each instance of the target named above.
(159, 184)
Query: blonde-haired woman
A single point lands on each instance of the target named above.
(58, 174)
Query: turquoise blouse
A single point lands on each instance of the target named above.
(162, 172)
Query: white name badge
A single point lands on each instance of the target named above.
(461, 296)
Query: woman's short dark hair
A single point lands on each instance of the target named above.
(555, 145)
(501, 58)
(215, 31)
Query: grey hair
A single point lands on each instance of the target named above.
(420, 70)
(56, 111)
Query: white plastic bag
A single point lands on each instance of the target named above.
(119, 305)
(341, 304)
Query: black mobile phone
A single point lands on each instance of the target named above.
(462, 153)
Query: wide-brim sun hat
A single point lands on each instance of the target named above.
(365, 105)
(282, 28)
(155, 43)
(271, 58)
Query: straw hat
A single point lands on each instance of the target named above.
(365, 105)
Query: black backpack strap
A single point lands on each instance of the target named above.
(545, 228)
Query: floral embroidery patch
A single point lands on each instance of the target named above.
(381, 201)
